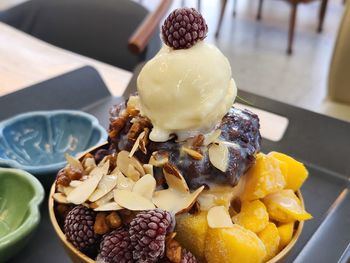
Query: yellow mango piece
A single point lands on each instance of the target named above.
(285, 207)
(286, 233)
(232, 245)
(253, 216)
(191, 232)
(263, 178)
(271, 239)
(293, 171)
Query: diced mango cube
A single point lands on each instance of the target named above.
(232, 245)
(286, 233)
(191, 231)
(271, 239)
(253, 216)
(263, 178)
(293, 171)
(285, 207)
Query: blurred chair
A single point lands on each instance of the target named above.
(337, 104)
(339, 74)
(292, 19)
(103, 30)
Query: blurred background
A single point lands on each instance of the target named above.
(266, 57)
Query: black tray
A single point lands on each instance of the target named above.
(322, 143)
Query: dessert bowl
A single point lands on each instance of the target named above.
(78, 257)
(36, 141)
(182, 177)
(19, 213)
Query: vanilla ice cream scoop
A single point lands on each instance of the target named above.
(186, 91)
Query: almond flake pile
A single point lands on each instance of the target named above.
(119, 181)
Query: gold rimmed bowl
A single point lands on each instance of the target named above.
(79, 257)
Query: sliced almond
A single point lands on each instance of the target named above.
(132, 173)
(132, 201)
(107, 183)
(116, 171)
(109, 206)
(103, 161)
(67, 190)
(124, 183)
(89, 164)
(194, 154)
(60, 198)
(73, 163)
(219, 217)
(81, 193)
(136, 145)
(148, 168)
(219, 156)
(144, 141)
(212, 137)
(159, 158)
(145, 186)
(104, 199)
(75, 183)
(175, 201)
(174, 178)
(123, 161)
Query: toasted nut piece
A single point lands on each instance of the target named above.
(173, 251)
(113, 220)
(219, 217)
(62, 178)
(133, 112)
(174, 178)
(63, 210)
(159, 158)
(145, 186)
(132, 201)
(219, 156)
(73, 173)
(194, 154)
(101, 227)
(109, 206)
(148, 168)
(123, 161)
(60, 198)
(116, 126)
(132, 173)
(137, 127)
(127, 215)
(198, 141)
(81, 193)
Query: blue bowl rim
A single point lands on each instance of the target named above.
(33, 218)
(48, 168)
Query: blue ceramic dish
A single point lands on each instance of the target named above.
(36, 141)
(19, 213)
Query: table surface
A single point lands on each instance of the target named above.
(25, 60)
